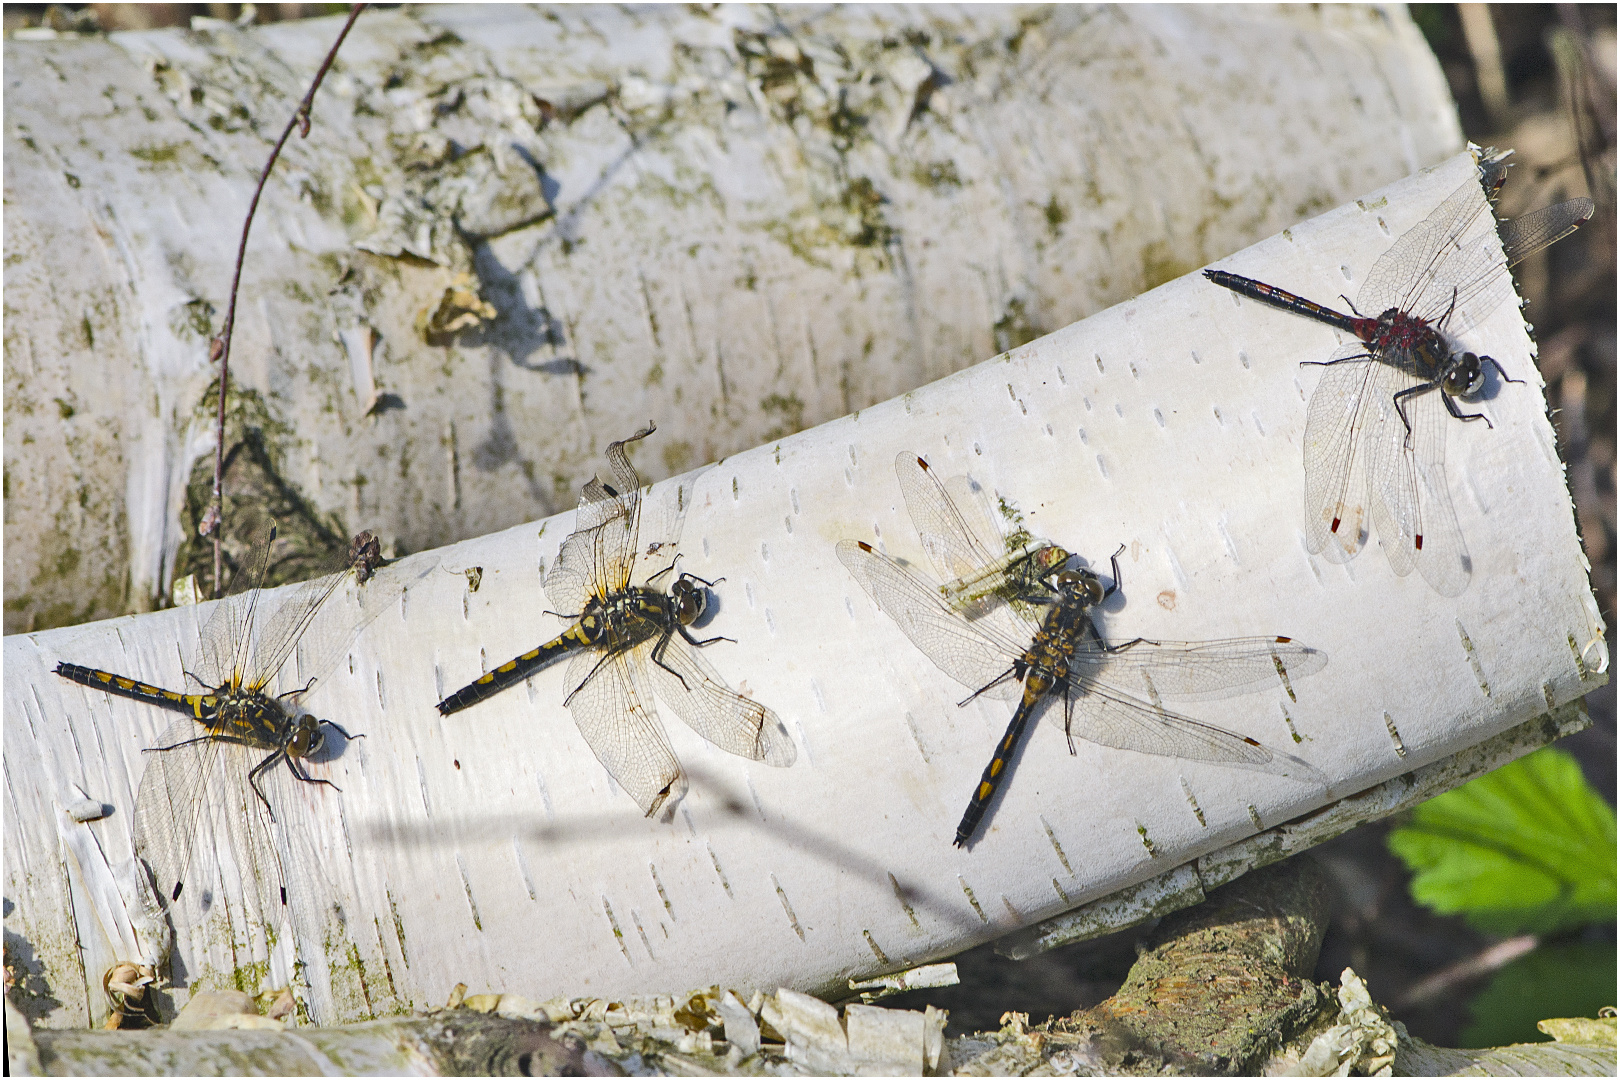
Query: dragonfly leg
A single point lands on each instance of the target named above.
(1341, 360)
(1400, 406)
(667, 569)
(663, 647)
(1501, 373)
(705, 641)
(298, 773)
(294, 693)
(1114, 561)
(1068, 716)
(343, 731)
(1449, 309)
(1451, 407)
(1010, 673)
(253, 779)
(188, 742)
(612, 654)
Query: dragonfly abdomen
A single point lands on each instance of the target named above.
(582, 635)
(995, 772)
(198, 706)
(1281, 298)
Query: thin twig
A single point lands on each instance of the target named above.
(220, 349)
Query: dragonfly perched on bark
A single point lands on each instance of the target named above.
(1033, 639)
(631, 641)
(1375, 427)
(217, 779)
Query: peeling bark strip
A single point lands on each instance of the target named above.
(534, 238)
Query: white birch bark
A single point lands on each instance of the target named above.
(741, 222)
(490, 848)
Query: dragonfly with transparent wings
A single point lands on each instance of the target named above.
(1375, 429)
(1032, 639)
(214, 779)
(628, 642)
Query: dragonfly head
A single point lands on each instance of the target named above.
(307, 737)
(1466, 375)
(691, 599)
(1082, 584)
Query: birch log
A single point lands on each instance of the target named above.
(491, 848)
(515, 233)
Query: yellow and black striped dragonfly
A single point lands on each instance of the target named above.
(629, 641)
(1031, 638)
(212, 781)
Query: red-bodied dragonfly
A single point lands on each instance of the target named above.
(629, 642)
(212, 784)
(1374, 429)
(1029, 635)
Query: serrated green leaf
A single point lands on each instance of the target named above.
(1529, 848)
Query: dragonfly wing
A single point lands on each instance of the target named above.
(171, 808)
(569, 583)
(957, 533)
(1410, 495)
(246, 826)
(615, 517)
(1335, 472)
(687, 683)
(1422, 262)
(290, 875)
(1201, 670)
(338, 617)
(223, 648)
(1476, 275)
(282, 623)
(1523, 236)
(613, 707)
(613, 547)
(1474, 280)
(662, 522)
(1108, 718)
(975, 654)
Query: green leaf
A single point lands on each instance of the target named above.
(1529, 848)
(1573, 978)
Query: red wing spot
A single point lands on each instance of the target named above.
(863, 545)
(1335, 526)
(1420, 541)
(1250, 741)
(1284, 640)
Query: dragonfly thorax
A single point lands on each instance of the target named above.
(623, 619)
(252, 717)
(1396, 330)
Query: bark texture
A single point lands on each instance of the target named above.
(514, 234)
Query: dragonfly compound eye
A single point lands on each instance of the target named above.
(1080, 583)
(1466, 377)
(307, 737)
(691, 601)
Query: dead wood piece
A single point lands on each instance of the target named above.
(1220, 987)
